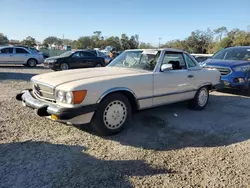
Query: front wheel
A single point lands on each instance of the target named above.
(64, 66)
(200, 100)
(112, 115)
(246, 91)
(98, 65)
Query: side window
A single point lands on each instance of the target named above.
(77, 54)
(7, 51)
(189, 61)
(21, 51)
(88, 54)
(176, 59)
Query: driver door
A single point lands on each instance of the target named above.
(173, 85)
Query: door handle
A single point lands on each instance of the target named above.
(190, 76)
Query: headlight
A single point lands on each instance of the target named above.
(51, 60)
(74, 97)
(69, 97)
(60, 96)
(242, 68)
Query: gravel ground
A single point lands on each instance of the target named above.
(169, 146)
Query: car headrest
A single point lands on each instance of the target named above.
(174, 63)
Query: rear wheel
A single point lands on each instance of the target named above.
(31, 63)
(200, 100)
(112, 115)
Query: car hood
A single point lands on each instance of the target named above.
(54, 57)
(224, 63)
(55, 79)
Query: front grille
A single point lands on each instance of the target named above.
(223, 70)
(43, 91)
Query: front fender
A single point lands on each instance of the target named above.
(116, 89)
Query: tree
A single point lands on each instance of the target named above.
(3, 39)
(134, 42)
(84, 42)
(97, 34)
(242, 38)
(52, 40)
(113, 41)
(178, 44)
(29, 41)
(125, 43)
(144, 45)
(221, 31)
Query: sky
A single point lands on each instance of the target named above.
(150, 19)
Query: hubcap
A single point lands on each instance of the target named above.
(98, 65)
(115, 115)
(32, 62)
(64, 66)
(203, 97)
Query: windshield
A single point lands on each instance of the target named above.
(137, 59)
(66, 54)
(237, 54)
(33, 49)
(101, 53)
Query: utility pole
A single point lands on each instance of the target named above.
(159, 42)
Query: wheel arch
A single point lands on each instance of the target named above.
(125, 91)
(207, 84)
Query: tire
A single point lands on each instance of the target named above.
(31, 62)
(200, 101)
(112, 116)
(247, 90)
(98, 65)
(64, 66)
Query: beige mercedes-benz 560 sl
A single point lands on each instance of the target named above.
(106, 97)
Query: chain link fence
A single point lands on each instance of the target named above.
(53, 52)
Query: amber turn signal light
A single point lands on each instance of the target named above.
(79, 96)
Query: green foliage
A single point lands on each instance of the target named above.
(52, 40)
(208, 41)
(221, 31)
(29, 41)
(3, 39)
(211, 41)
(144, 45)
(84, 43)
(98, 41)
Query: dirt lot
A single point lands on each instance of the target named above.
(169, 146)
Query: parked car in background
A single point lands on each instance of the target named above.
(66, 47)
(106, 97)
(75, 59)
(19, 55)
(98, 53)
(45, 55)
(234, 66)
(201, 57)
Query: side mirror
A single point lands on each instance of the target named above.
(166, 67)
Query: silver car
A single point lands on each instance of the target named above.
(19, 55)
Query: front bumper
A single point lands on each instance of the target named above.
(51, 65)
(229, 80)
(218, 86)
(75, 115)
